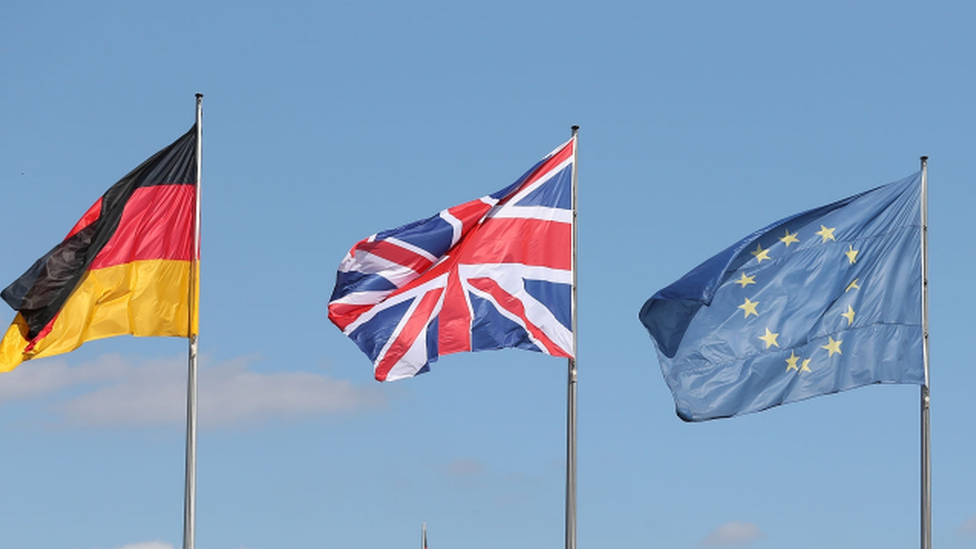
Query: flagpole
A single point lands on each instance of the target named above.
(423, 536)
(190, 488)
(926, 526)
(571, 392)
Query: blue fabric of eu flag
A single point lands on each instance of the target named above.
(819, 302)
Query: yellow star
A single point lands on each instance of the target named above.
(832, 346)
(849, 315)
(769, 338)
(749, 307)
(789, 238)
(791, 362)
(760, 253)
(805, 367)
(826, 234)
(851, 254)
(746, 280)
(853, 286)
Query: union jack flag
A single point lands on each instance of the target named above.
(492, 273)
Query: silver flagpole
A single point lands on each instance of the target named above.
(571, 393)
(926, 527)
(423, 536)
(190, 488)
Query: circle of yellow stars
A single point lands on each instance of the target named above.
(769, 338)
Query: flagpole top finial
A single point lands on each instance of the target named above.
(199, 95)
(924, 158)
(574, 127)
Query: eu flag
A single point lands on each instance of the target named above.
(822, 301)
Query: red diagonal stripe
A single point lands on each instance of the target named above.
(469, 214)
(396, 254)
(408, 335)
(344, 314)
(508, 302)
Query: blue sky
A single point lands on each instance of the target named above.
(325, 122)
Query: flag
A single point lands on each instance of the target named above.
(492, 273)
(819, 302)
(124, 268)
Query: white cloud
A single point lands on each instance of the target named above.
(732, 534)
(969, 527)
(53, 375)
(148, 545)
(121, 391)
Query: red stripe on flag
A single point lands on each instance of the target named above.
(408, 335)
(526, 241)
(515, 307)
(41, 335)
(157, 223)
(90, 217)
(344, 314)
(469, 214)
(437, 270)
(454, 320)
(392, 252)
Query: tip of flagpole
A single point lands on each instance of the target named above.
(199, 95)
(924, 158)
(574, 127)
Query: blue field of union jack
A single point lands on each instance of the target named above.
(492, 273)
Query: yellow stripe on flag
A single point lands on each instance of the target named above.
(142, 298)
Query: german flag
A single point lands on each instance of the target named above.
(125, 268)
